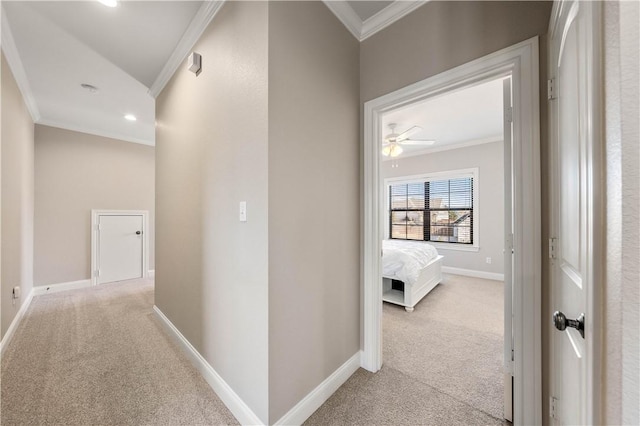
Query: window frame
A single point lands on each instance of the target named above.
(434, 176)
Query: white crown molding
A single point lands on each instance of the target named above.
(346, 15)
(80, 129)
(198, 24)
(15, 63)
(431, 150)
(387, 16)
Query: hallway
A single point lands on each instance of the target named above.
(99, 356)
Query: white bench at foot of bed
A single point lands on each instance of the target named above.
(428, 278)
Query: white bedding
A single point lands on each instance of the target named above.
(403, 260)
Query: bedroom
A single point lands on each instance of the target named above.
(443, 264)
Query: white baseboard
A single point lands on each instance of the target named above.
(16, 321)
(151, 273)
(234, 403)
(472, 273)
(55, 288)
(310, 403)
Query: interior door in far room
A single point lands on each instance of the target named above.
(120, 248)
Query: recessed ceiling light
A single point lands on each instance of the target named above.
(89, 87)
(109, 3)
(130, 117)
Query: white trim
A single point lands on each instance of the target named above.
(387, 16)
(55, 288)
(198, 24)
(473, 273)
(346, 15)
(310, 403)
(362, 30)
(6, 339)
(17, 68)
(232, 400)
(95, 254)
(521, 62)
(90, 131)
(455, 247)
(151, 273)
(424, 177)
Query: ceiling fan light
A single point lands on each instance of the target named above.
(395, 150)
(392, 150)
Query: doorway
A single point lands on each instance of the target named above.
(119, 245)
(447, 205)
(521, 63)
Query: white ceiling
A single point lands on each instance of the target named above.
(366, 9)
(466, 117)
(121, 50)
(128, 52)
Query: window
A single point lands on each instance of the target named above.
(437, 210)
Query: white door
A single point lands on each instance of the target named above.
(508, 250)
(120, 247)
(571, 256)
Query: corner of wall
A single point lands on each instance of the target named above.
(17, 198)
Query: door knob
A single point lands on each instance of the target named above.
(138, 232)
(561, 322)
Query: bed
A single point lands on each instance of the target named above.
(416, 264)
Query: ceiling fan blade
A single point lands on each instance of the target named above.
(417, 142)
(405, 135)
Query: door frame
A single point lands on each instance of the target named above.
(521, 62)
(95, 239)
(596, 204)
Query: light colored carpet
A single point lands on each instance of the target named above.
(442, 363)
(98, 356)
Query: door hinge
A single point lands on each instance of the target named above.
(98, 227)
(551, 89)
(553, 407)
(508, 114)
(510, 243)
(97, 272)
(553, 242)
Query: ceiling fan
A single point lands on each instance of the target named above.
(393, 142)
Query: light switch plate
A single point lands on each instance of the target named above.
(243, 211)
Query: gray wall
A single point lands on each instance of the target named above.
(211, 153)
(314, 224)
(74, 173)
(17, 197)
(621, 352)
(442, 35)
(271, 120)
(488, 158)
